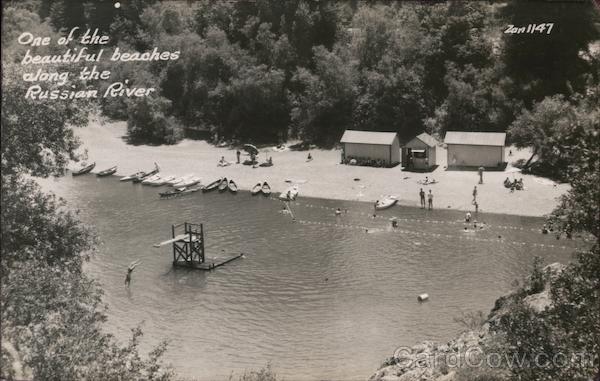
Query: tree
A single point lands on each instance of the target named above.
(566, 334)
(579, 209)
(543, 129)
(322, 106)
(148, 121)
(543, 64)
(562, 341)
(477, 100)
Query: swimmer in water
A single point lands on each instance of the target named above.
(338, 212)
(130, 269)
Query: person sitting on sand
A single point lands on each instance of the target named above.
(468, 217)
(309, 158)
(520, 185)
(132, 266)
(507, 183)
(426, 181)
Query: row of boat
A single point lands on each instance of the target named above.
(185, 184)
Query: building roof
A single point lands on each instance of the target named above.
(424, 138)
(368, 137)
(475, 138)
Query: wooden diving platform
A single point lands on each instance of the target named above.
(188, 248)
(209, 263)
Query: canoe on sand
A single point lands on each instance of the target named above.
(84, 170)
(224, 184)
(212, 186)
(107, 172)
(233, 188)
(256, 189)
(266, 189)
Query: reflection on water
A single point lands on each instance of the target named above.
(318, 298)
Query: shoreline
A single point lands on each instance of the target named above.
(323, 177)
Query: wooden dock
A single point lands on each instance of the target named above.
(209, 263)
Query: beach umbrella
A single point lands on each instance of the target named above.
(251, 149)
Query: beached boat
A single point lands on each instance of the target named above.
(177, 180)
(107, 172)
(181, 180)
(233, 188)
(84, 170)
(212, 186)
(188, 182)
(160, 181)
(144, 175)
(289, 194)
(151, 179)
(224, 185)
(178, 192)
(256, 189)
(266, 189)
(132, 176)
(171, 193)
(386, 202)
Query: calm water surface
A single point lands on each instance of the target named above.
(319, 298)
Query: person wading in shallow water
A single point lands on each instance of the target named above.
(132, 266)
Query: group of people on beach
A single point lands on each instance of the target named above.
(429, 199)
(514, 185)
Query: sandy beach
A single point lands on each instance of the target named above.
(324, 176)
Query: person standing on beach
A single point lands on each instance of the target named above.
(422, 196)
(475, 194)
(430, 200)
(238, 153)
(132, 266)
(480, 170)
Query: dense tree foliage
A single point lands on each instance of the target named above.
(52, 313)
(564, 338)
(561, 342)
(544, 64)
(256, 70)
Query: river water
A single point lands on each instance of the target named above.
(318, 298)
